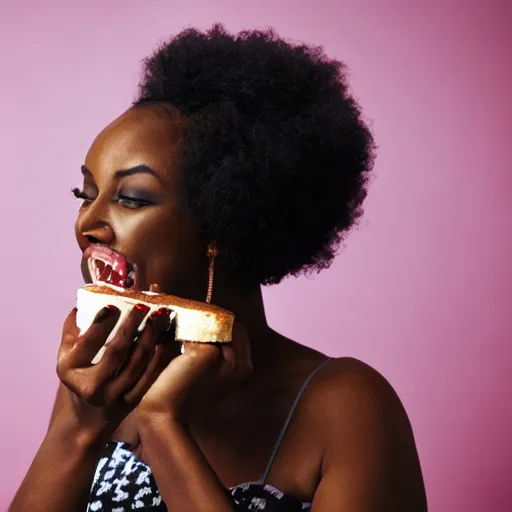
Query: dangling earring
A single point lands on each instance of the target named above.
(211, 252)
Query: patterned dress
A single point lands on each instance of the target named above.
(123, 483)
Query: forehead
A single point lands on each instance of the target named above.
(147, 135)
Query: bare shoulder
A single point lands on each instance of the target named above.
(347, 384)
(366, 435)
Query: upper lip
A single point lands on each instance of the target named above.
(106, 253)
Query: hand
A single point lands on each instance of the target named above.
(197, 378)
(100, 396)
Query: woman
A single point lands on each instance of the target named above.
(252, 147)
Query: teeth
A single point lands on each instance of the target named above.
(103, 271)
(93, 271)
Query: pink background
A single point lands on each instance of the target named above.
(422, 292)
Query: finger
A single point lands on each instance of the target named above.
(241, 342)
(121, 345)
(228, 365)
(167, 338)
(88, 345)
(70, 330)
(206, 356)
(158, 363)
(167, 319)
(142, 354)
(237, 354)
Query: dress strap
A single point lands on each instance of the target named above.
(289, 418)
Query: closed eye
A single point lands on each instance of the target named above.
(131, 202)
(126, 201)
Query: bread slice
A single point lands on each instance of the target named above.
(195, 321)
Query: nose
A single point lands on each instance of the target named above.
(93, 226)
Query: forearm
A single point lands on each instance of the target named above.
(61, 474)
(185, 479)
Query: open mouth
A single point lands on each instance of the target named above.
(108, 266)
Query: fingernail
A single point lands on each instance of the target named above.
(161, 318)
(105, 312)
(142, 307)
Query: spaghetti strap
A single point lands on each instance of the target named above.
(289, 418)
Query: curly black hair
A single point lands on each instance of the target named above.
(278, 158)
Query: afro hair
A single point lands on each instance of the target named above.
(277, 159)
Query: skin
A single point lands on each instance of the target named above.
(208, 419)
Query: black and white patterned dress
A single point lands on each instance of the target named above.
(123, 483)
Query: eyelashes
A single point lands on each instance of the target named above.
(79, 194)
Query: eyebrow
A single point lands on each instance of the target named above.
(127, 172)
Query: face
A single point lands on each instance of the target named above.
(130, 202)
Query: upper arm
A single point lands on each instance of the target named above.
(370, 461)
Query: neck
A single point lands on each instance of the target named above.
(249, 310)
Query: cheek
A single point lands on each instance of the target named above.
(151, 238)
(166, 246)
(144, 232)
(173, 251)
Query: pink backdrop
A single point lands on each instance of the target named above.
(422, 292)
